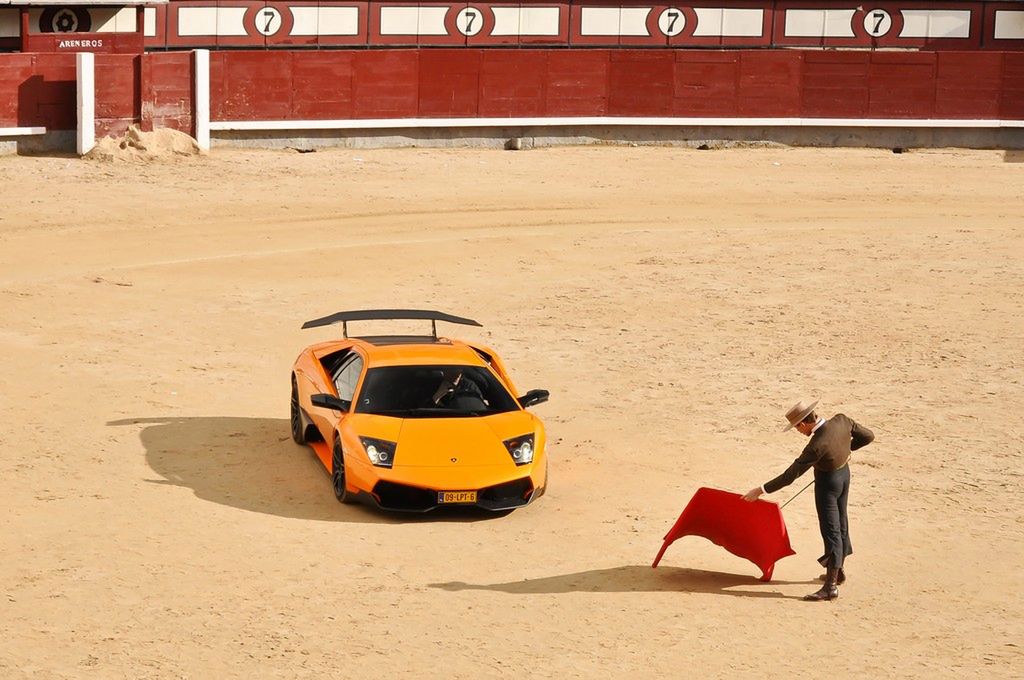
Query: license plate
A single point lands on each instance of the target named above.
(456, 496)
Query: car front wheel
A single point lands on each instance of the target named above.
(298, 433)
(338, 474)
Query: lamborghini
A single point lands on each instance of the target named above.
(417, 422)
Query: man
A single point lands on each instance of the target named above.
(828, 452)
(458, 391)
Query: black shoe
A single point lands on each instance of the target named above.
(839, 581)
(826, 593)
(829, 591)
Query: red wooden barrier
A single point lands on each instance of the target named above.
(640, 82)
(323, 84)
(1011, 100)
(835, 85)
(15, 69)
(117, 93)
(166, 86)
(471, 83)
(513, 83)
(706, 83)
(156, 88)
(38, 90)
(385, 84)
(967, 85)
(901, 85)
(576, 83)
(769, 84)
(449, 83)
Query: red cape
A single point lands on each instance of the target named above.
(754, 531)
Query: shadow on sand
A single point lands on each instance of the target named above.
(635, 578)
(1013, 156)
(252, 464)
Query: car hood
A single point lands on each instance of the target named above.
(428, 442)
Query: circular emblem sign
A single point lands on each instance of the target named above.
(469, 21)
(671, 21)
(877, 23)
(268, 21)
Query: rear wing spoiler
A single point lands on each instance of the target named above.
(387, 314)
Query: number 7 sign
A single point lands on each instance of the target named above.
(877, 22)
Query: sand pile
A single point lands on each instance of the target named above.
(136, 145)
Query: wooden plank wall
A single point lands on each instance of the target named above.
(155, 89)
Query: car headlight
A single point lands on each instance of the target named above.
(521, 449)
(381, 453)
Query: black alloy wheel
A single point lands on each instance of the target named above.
(298, 432)
(338, 473)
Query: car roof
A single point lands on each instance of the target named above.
(404, 350)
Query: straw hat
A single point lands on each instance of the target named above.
(799, 411)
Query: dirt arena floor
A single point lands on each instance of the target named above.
(158, 522)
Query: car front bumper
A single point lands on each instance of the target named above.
(394, 496)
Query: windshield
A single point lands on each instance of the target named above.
(433, 392)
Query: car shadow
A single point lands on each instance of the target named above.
(636, 578)
(253, 464)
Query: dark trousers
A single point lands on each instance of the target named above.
(831, 490)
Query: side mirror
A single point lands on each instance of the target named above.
(330, 401)
(533, 397)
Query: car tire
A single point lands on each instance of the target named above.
(298, 430)
(338, 474)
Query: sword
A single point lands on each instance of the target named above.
(805, 489)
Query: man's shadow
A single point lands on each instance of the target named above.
(253, 464)
(633, 579)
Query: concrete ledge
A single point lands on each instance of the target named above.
(22, 140)
(51, 142)
(684, 136)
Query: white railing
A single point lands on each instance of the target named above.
(396, 123)
(21, 131)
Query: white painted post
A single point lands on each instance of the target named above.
(201, 97)
(85, 66)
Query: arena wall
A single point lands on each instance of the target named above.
(477, 83)
(796, 65)
(156, 88)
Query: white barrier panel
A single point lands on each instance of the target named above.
(936, 23)
(729, 22)
(819, 23)
(226, 21)
(201, 83)
(85, 138)
(10, 23)
(1009, 25)
(414, 20)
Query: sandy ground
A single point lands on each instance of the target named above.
(158, 521)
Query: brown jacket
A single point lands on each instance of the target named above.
(828, 450)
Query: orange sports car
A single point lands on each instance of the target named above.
(414, 422)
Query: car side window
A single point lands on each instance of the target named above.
(347, 376)
(332, 362)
